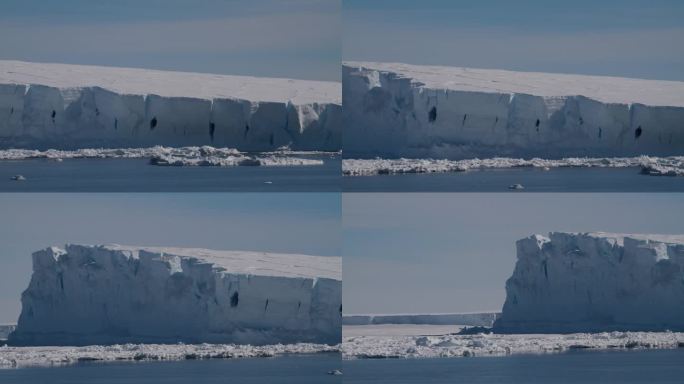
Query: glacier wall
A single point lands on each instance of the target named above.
(84, 295)
(416, 113)
(42, 117)
(595, 282)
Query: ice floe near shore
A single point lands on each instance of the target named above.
(367, 347)
(14, 357)
(183, 156)
(655, 166)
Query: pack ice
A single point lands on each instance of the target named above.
(112, 294)
(74, 106)
(397, 110)
(594, 282)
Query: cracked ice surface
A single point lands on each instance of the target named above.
(655, 166)
(12, 357)
(164, 156)
(364, 347)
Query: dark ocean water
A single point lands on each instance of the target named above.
(577, 367)
(533, 179)
(303, 369)
(136, 175)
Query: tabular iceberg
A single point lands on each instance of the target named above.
(85, 295)
(73, 106)
(399, 110)
(594, 282)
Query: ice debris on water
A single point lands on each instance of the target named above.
(654, 166)
(170, 156)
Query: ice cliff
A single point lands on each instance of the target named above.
(399, 110)
(84, 295)
(592, 282)
(73, 106)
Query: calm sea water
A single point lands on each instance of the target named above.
(534, 180)
(136, 175)
(309, 369)
(585, 367)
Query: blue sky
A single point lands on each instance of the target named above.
(452, 252)
(275, 38)
(307, 223)
(633, 38)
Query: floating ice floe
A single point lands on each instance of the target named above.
(168, 156)
(488, 344)
(12, 357)
(656, 166)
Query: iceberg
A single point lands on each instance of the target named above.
(112, 294)
(62, 106)
(595, 282)
(394, 110)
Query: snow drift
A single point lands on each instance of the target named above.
(73, 106)
(594, 282)
(398, 110)
(85, 295)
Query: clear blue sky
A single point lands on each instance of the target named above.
(452, 252)
(633, 38)
(307, 223)
(275, 38)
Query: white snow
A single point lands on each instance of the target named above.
(17, 357)
(135, 81)
(411, 346)
(615, 90)
(594, 282)
(113, 294)
(183, 156)
(397, 110)
(655, 166)
(74, 106)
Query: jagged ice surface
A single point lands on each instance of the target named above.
(654, 166)
(14, 357)
(363, 347)
(170, 156)
(87, 295)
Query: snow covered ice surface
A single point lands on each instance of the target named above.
(595, 282)
(654, 166)
(16, 357)
(394, 110)
(483, 344)
(75, 106)
(170, 156)
(111, 294)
